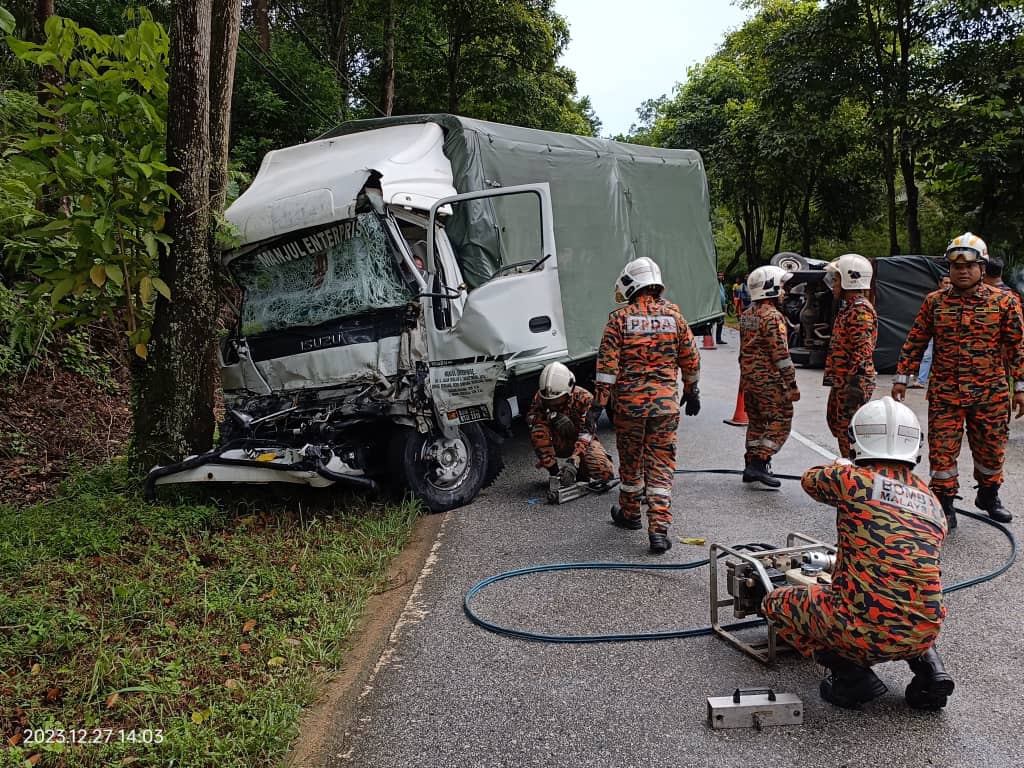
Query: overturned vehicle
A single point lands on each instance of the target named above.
(401, 290)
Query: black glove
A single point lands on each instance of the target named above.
(562, 426)
(553, 470)
(592, 416)
(568, 474)
(691, 401)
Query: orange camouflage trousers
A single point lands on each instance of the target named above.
(647, 463)
(595, 463)
(988, 428)
(807, 619)
(769, 423)
(842, 404)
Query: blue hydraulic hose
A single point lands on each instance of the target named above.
(678, 633)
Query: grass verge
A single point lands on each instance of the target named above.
(203, 627)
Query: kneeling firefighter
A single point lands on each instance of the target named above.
(885, 599)
(557, 420)
(644, 347)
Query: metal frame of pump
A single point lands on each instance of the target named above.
(750, 575)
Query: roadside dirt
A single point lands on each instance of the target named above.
(339, 701)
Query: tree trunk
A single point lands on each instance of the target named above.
(389, 58)
(907, 166)
(223, 51)
(173, 396)
(262, 14)
(889, 172)
(782, 219)
(341, 56)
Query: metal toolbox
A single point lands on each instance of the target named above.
(754, 708)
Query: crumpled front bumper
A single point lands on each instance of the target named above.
(258, 462)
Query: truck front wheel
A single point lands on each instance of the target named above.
(443, 473)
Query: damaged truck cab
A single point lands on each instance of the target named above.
(397, 288)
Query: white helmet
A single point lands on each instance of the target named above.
(637, 274)
(884, 430)
(967, 247)
(854, 272)
(766, 282)
(555, 381)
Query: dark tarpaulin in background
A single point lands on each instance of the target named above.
(901, 284)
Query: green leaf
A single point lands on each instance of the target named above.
(162, 288)
(151, 245)
(6, 21)
(115, 274)
(61, 289)
(146, 289)
(21, 47)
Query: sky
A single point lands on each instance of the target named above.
(624, 53)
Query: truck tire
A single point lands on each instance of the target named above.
(495, 456)
(443, 474)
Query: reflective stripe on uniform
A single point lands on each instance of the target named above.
(605, 378)
(784, 364)
(1018, 386)
(985, 470)
(901, 378)
(692, 379)
(768, 443)
(945, 474)
(652, 491)
(585, 437)
(631, 488)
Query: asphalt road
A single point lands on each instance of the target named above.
(447, 693)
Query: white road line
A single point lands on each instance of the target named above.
(813, 445)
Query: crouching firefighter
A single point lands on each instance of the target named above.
(885, 599)
(557, 420)
(644, 347)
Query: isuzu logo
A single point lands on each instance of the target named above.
(322, 342)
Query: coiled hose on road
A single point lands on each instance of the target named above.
(682, 633)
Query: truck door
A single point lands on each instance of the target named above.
(513, 318)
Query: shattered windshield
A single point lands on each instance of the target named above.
(336, 271)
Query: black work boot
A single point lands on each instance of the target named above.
(847, 684)
(932, 684)
(660, 543)
(988, 500)
(621, 521)
(757, 470)
(949, 510)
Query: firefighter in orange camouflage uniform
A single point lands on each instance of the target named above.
(850, 367)
(557, 420)
(644, 347)
(766, 375)
(884, 602)
(978, 333)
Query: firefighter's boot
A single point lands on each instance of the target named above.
(757, 470)
(660, 542)
(949, 510)
(847, 684)
(621, 521)
(932, 684)
(988, 500)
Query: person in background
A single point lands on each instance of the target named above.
(767, 377)
(994, 274)
(645, 346)
(557, 420)
(978, 333)
(850, 366)
(884, 602)
(724, 302)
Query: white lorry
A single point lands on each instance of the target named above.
(402, 288)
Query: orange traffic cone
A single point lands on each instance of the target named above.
(739, 416)
(709, 342)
